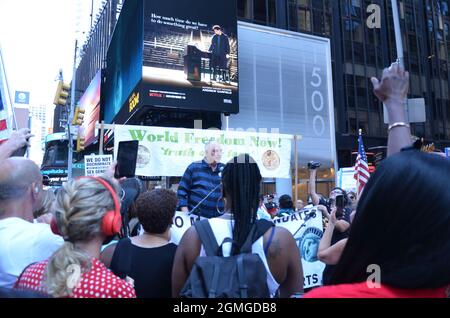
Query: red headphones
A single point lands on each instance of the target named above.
(112, 220)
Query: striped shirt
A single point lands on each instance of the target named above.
(198, 180)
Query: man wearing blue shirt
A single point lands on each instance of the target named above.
(199, 179)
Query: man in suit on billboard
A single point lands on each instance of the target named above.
(220, 52)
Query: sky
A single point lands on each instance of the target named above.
(37, 38)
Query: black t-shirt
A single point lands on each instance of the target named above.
(337, 236)
(151, 268)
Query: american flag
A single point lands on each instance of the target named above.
(3, 122)
(4, 131)
(362, 173)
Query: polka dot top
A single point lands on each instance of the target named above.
(99, 282)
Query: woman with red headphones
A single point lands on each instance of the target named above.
(87, 212)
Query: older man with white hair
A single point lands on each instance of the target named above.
(23, 242)
(201, 181)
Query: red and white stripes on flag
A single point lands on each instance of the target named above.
(3, 130)
(362, 173)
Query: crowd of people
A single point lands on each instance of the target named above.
(73, 244)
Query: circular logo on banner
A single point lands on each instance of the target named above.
(271, 160)
(143, 157)
(309, 244)
(22, 96)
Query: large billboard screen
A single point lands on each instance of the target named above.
(190, 56)
(124, 59)
(90, 103)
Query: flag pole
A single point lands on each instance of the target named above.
(357, 179)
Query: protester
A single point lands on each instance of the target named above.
(131, 189)
(340, 232)
(325, 205)
(148, 258)
(48, 201)
(23, 242)
(413, 247)
(299, 205)
(262, 213)
(202, 178)
(87, 212)
(408, 195)
(16, 141)
(271, 207)
(353, 199)
(286, 206)
(241, 185)
(331, 253)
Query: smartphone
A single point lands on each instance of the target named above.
(126, 159)
(340, 201)
(20, 152)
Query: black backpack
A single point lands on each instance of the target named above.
(237, 276)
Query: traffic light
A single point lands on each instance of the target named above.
(80, 143)
(78, 117)
(62, 93)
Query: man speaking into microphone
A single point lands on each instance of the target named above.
(199, 191)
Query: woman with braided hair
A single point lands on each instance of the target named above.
(241, 182)
(84, 208)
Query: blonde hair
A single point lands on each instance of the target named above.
(80, 207)
(48, 199)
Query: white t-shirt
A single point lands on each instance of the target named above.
(23, 243)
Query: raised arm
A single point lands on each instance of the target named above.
(312, 186)
(17, 140)
(392, 90)
(330, 254)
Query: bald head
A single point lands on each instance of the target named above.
(17, 175)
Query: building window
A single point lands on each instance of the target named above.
(304, 20)
(272, 12)
(260, 11)
(244, 9)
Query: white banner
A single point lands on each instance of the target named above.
(307, 228)
(307, 235)
(346, 179)
(95, 165)
(168, 151)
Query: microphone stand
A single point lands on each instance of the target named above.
(308, 216)
(203, 200)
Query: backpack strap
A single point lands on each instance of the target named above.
(258, 229)
(207, 237)
(261, 228)
(212, 292)
(242, 278)
(266, 249)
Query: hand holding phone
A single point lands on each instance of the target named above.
(340, 204)
(20, 140)
(340, 201)
(126, 159)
